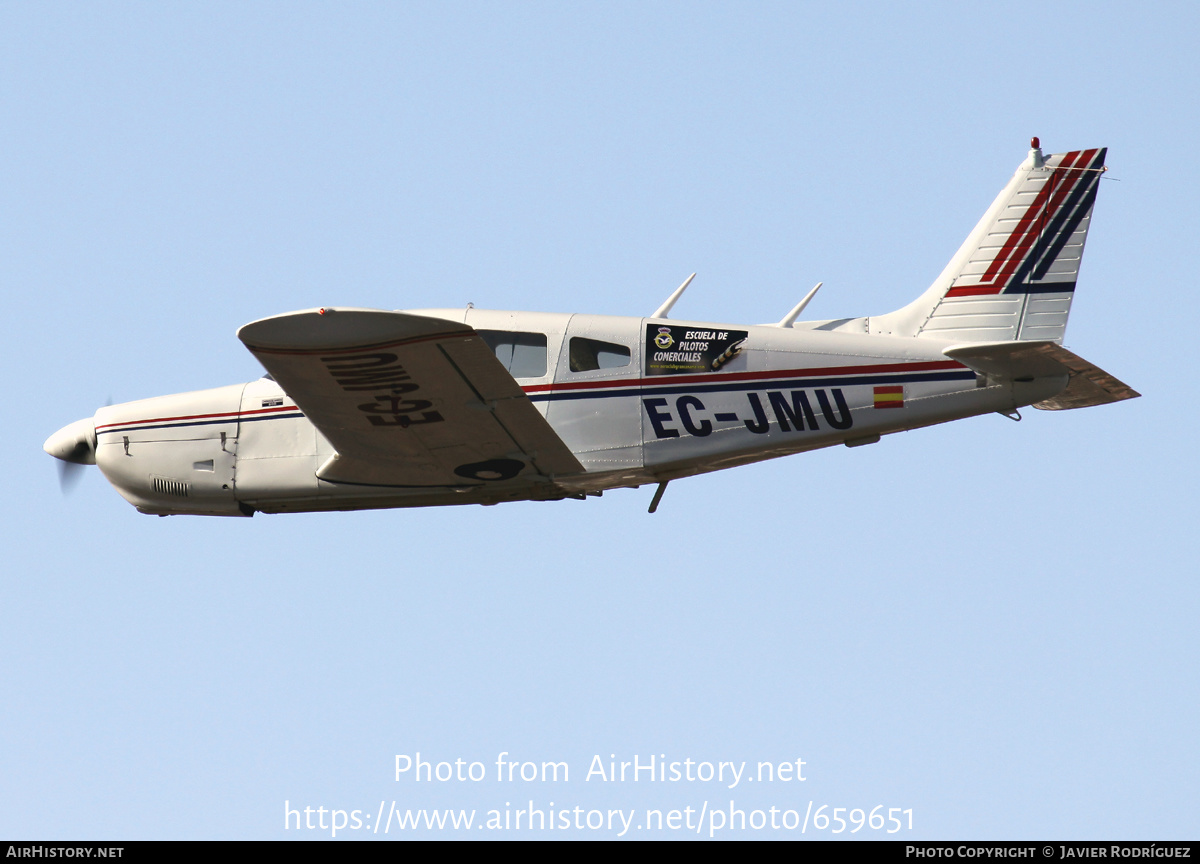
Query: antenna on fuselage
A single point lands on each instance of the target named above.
(661, 311)
(662, 487)
(790, 318)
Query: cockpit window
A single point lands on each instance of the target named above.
(589, 354)
(523, 354)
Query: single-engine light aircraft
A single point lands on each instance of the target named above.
(365, 408)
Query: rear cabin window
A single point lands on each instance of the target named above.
(523, 354)
(589, 354)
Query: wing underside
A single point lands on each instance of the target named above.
(408, 401)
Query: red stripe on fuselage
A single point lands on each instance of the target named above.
(813, 372)
(232, 415)
(617, 383)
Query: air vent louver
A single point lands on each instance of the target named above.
(166, 486)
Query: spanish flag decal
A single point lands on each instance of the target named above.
(889, 397)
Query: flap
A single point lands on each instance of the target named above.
(1088, 384)
(407, 400)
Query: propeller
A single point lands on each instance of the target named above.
(69, 475)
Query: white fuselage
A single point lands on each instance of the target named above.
(658, 413)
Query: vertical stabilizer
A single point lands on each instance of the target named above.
(1014, 277)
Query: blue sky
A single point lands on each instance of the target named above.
(990, 623)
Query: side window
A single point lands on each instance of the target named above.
(589, 354)
(523, 354)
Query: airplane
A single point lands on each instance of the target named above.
(366, 408)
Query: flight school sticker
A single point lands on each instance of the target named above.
(676, 350)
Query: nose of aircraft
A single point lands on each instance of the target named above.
(75, 442)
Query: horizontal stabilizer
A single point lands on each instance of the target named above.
(1088, 384)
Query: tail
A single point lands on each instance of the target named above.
(1014, 277)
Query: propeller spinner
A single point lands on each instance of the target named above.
(75, 445)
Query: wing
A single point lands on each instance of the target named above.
(407, 400)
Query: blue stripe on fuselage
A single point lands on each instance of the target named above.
(772, 383)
